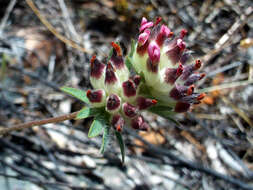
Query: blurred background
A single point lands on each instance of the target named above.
(211, 149)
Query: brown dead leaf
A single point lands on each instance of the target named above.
(246, 43)
(210, 98)
(152, 137)
(193, 141)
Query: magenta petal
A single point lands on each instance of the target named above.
(145, 26)
(163, 34)
(143, 37)
(143, 21)
(154, 52)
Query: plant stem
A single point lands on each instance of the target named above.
(30, 124)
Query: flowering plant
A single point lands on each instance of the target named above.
(154, 77)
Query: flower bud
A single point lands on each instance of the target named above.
(96, 97)
(112, 84)
(154, 52)
(97, 74)
(129, 110)
(143, 37)
(117, 122)
(189, 69)
(129, 89)
(163, 34)
(178, 92)
(113, 103)
(172, 74)
(144, 103)
(118, 62)
(139, 123)
(194, 78)
(176, 50)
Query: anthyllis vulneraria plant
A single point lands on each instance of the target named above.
(154, 77)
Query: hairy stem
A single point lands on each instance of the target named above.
(30, 124)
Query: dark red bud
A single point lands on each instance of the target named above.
(144, 103)
(139, 123)
(171, 75)
(113, 102)
(188, 70)
(178, 92)
(193, 78)
(129, 88)
(95, 96)
(176, 50)
(97, 67)
(163, 34)
(110, 76)
(117, 122)
(129, 110)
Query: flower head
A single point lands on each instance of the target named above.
(160, 62)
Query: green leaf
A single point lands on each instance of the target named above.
(79, 94)
(121, 145)
(133, 42)
(110, 54)
(105, 139)
(95, 128)
(83, 113)
(128, 63)
(89, 112)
